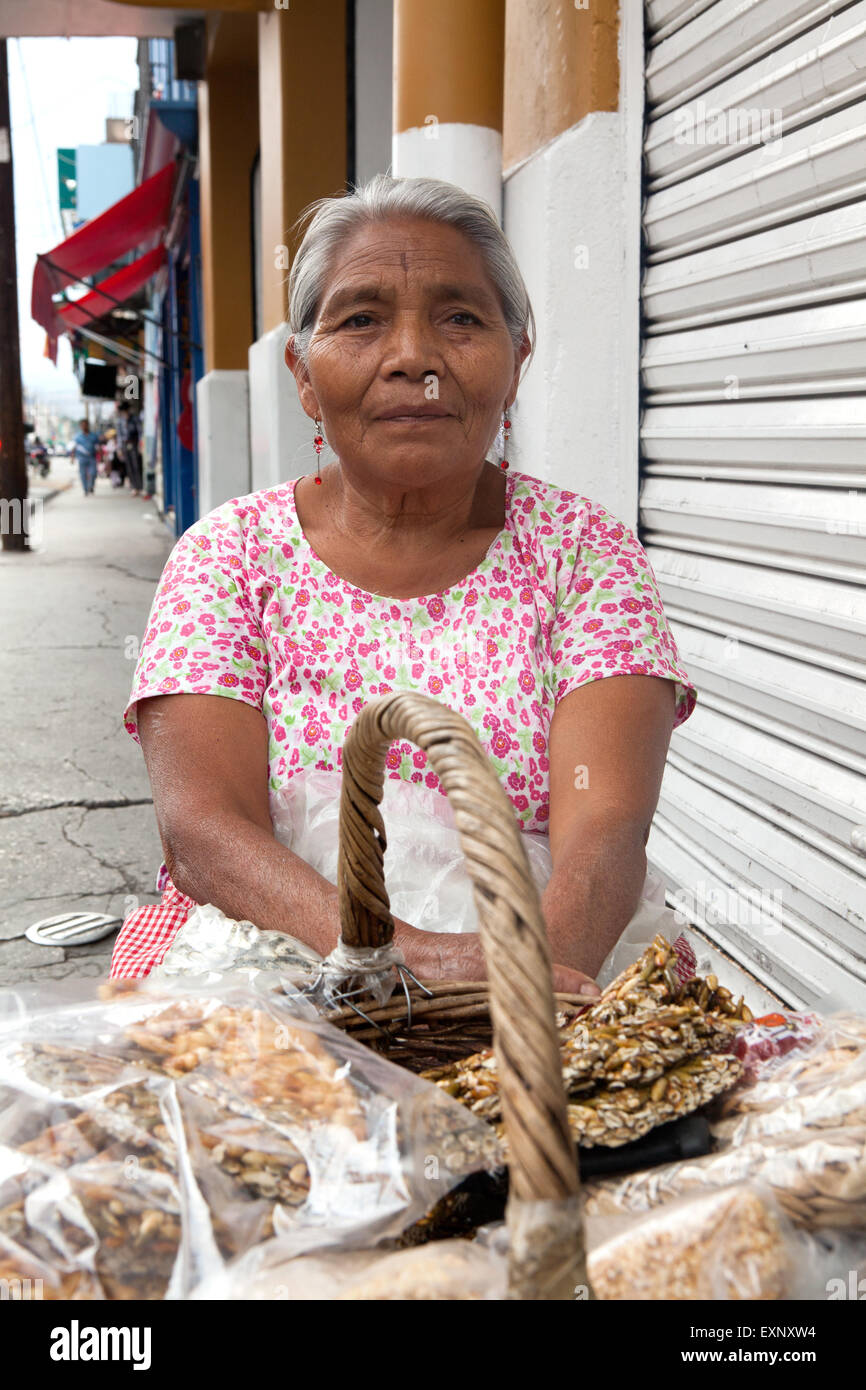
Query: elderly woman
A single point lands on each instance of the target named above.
(295, 605)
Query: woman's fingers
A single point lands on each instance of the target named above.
(568, 981)
(443, 956)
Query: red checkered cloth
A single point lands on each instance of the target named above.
(147, 934)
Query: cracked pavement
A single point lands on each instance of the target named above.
(77, 826)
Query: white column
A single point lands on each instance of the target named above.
(468, 155)
(281, 435)
(223, 421)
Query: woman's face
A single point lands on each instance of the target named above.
(409, 319)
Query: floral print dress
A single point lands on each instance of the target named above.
(245, 609)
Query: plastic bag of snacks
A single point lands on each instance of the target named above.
(210, 945)
(151, 1135)
(816, 1080)
(795, 1123)
(733, 1244)
(443, 1270)
(730, 1244)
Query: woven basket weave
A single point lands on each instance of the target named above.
(547, 1258)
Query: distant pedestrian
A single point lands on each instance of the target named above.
(106, 454)
(84, 444)
(129, 440)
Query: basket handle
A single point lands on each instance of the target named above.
(547, 1257)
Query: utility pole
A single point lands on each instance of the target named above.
(14, 503)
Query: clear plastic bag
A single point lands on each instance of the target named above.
(815, 1085)
(820, 1181)
(149, 1137)
(796, 1125)
(443, 1270)
(210, 945)
(424, 865)
(731, 1244)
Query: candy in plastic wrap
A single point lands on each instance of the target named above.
(819, 1181)
(732, 1244)
(148, 1137)
(210, 945)
(720, 1245)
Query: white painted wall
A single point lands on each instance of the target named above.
(572, 214)
(222, 418)
(468, 155)
(565, 218)
(281, 435)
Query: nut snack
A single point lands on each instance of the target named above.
(649, 1050)
(447, 1271)
(721, 1245)
(818, 1179)
(819, 1085)
(814, 1109)
(150, 1136)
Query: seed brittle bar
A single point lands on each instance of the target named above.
(650, 1050)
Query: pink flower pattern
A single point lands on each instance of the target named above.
(565, 595)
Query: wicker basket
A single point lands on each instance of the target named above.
(547, 1255)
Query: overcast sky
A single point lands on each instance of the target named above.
(61, 91)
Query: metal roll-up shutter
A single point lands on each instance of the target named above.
(753, 474)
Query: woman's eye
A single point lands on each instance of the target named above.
(354, 320)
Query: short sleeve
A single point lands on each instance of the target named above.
(203, 636)
(609, 618)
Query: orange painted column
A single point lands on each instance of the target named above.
(228, 141)
(561, 63)
(302, 129)
(448, 93)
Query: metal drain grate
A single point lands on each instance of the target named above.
(72, 928)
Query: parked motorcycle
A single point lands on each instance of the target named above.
(40, 458)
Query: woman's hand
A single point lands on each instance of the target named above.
(459, 956)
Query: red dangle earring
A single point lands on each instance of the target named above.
(506, 426)
(318, 441)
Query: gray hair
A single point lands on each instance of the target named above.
(331, 221)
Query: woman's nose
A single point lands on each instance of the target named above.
(411, 348)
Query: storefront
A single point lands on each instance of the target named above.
(752, 502)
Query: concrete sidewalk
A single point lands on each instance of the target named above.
(77, 826)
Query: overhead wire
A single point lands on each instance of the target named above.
(53, 213)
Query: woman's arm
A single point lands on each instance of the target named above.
(207, 759)
(607, 748)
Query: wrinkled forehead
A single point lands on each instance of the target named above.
(428, 257)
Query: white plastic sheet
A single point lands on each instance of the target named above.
(425, 868)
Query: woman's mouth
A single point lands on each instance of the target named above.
(419, 419)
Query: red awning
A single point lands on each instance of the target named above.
(137, 218)
(113, 291)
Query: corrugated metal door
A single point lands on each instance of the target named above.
(753, 496)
